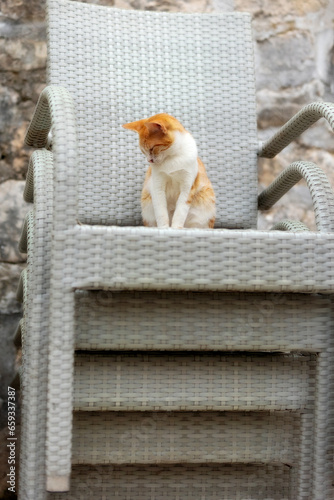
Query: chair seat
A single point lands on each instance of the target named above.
(141, 258)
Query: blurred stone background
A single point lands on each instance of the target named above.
(294, 51)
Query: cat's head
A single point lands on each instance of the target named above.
(156, 135)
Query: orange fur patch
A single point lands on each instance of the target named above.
(202, 190)
(156, 131)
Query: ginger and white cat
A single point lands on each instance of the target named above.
(177, 192)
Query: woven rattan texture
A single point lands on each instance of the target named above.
(202, 321)
(34, 329)
(120, 66)
(180, 482)
(185, 437)
(308, 115)
(290, 225)
(23, 243)
(193, 382)
(318, 184)
(220, 260)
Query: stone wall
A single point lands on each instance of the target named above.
(294, 65)
(294, 53)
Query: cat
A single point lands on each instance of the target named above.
(177, 192)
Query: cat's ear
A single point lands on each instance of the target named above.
(136, 126)
(155, 127)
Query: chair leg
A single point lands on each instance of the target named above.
(306, 452)
(58, 483)
(323, 435)
(60, 388)
(36, 332)
(34, 388)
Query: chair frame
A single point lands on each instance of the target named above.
(292, 260)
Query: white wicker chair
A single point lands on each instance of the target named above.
(210, 352)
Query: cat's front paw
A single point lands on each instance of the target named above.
(176, 226)
(163, 226)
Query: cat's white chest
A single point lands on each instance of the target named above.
(174, 183)
(171, 182)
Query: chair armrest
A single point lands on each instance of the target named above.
(290, 225)
(55, 109)
(317, 182)
(39, 177)
(306, 117)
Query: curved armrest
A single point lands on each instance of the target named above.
(55, 108)
(39, 176)
(290, 225)
(306, 117)
(317, 182)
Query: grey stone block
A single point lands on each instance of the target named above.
(8, 351)
(12, 215)
(9, 279)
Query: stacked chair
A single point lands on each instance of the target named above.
(160, 363)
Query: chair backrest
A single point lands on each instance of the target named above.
(121, 66)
